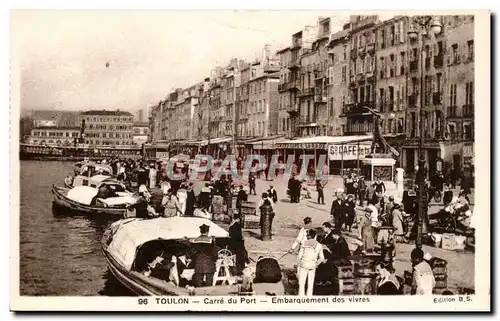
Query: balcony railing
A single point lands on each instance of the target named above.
(436, 98)
(292, 108)
(354, 53)
(362, 51)
(370, 76)
(291, 85)
(307, 120)
(413, 65)
(294, 64)
(360, 79)
(243, 117)
(370, 48)
(306, 92)
(451, 112)
(468, 111)
(320, 98)
(438, 61)
(357, 108)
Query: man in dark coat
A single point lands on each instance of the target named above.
(142, 176)
(349, 212)
(337, 211)
(241, 197)
(251, 183)
(190, 201)
(338, 248)
(271, 192)
(204, 258)
(237, 244)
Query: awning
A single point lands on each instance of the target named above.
(216, 141)
(321, 142)
(266, 144)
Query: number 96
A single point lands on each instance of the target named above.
(142, 301)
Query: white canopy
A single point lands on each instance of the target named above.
(321, 142)
(132, 233)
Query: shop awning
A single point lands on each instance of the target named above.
(321, 142)
(216, 141)
(266, 144)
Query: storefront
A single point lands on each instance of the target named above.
(340, 152)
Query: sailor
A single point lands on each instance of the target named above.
(152, 176)
(204, 258)
(423, 277)
(302, 236)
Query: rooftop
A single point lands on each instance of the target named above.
(107, 113)
(58, 127)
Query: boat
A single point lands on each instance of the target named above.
(77, 199)
(131, 245)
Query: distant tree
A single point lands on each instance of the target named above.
(25, 127)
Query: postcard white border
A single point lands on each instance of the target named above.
(480, 301)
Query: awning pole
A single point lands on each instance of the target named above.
(358, 157)
(341, 159)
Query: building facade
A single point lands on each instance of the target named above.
(106, 127)
(54, 136)
(337, 85)
(141, 133)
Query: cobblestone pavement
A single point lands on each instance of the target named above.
(289, 218)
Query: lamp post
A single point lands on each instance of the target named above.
(425, 24)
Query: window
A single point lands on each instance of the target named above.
(453, 95)
(382, 99)
(439, 78)
(392, 66)
(344, 73)
(382, 39)
(392, 35)
(470, 50)
(382, 67)
(454, 50)
(469, 93)
(403, 63)
(345, 52)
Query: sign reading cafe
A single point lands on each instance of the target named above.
(348, 151)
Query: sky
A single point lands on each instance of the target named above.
(63, 54)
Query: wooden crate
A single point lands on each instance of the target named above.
(252, 222)
(441, 281)
(343, 287)
(343, 270)
(439, 266)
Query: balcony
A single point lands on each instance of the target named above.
(356, 109)
(370, 48)
(292, 109)
(413, 65)
(319, 75)
(354, 53)
(468, 111)
(362, 51)
(243, 117)
(451, 112)
(360, 78)
(291, 85)
(320, 98)
(438, 61)
(436, 98)
(427, 63)
(370, 76)
(306, 92)
(412, 100)
(294, 64)
(308, 120)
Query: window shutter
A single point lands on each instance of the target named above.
(459, 53)
(402, 31)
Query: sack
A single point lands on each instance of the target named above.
(267, 270)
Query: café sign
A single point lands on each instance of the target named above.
(348, 151)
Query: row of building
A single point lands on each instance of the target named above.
(95, 128)
(334, 83)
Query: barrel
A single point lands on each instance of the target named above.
(441, 281)
(265, 222)
(439, 266)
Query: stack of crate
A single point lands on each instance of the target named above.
(440, 271)
(249, 217)
(343, 282)
(365, 282)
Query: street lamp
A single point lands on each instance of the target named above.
(425, 24)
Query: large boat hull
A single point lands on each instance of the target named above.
(66, 205)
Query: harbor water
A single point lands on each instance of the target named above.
(58, 255)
